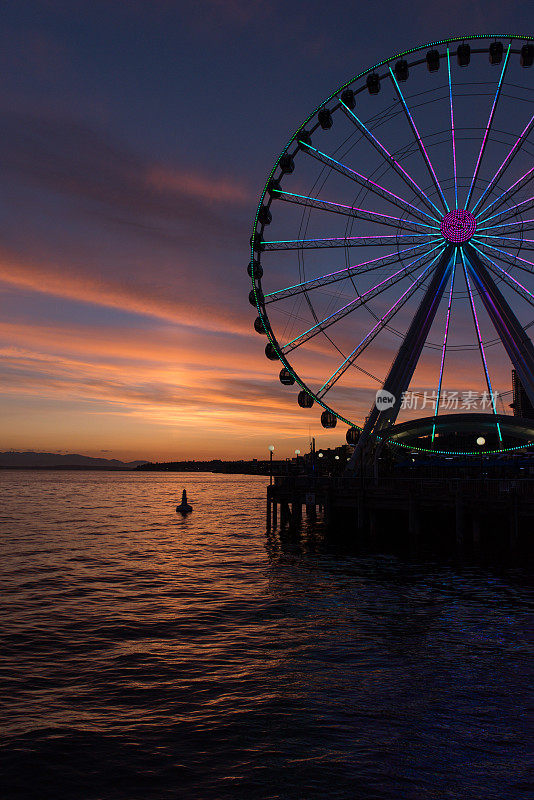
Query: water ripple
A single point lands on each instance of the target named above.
(145, 655)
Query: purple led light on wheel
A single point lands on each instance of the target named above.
(458, 226)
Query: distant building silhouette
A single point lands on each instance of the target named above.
(521, 405)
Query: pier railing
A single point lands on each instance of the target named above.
(481, 487)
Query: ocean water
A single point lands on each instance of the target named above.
(146, 655)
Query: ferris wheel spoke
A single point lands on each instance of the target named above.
(351, 211)
(381, 324)
(350, 241)
(488, 128)
(512, 211)
(508, 258)
(506, 163)
(419, 141)
(364, 298)
(452, 130)
(507, 241)
(386, 155)
(480, 345)
(444, 349)
(343, 274)
(497, 270)
(508, 227)
(367, 183)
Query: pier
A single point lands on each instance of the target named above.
(476, 510)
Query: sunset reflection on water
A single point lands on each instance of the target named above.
(150, 655)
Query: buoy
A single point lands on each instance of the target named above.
(184, 507)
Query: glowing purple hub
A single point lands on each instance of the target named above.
(458, 226)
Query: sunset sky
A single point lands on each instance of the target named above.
(136, 138)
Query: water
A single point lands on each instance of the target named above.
(145, 655)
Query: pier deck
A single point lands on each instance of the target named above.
(456, 505)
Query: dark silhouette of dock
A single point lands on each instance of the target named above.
(479, 510)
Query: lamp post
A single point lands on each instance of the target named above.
(481, 442)
(271, 449)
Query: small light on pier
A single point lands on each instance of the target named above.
(481, 441)
(271, 449)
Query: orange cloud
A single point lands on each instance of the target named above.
(53, 280)
(151, 377)
(222, 190)
(163, 396)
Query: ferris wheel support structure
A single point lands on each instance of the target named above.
(405, 362)
(512, 334)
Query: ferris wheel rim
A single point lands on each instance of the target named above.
(257, 235)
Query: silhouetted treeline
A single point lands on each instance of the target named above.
(253, 467)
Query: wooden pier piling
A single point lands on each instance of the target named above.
(296, 511)
(514, 522)
(459, 516)
(413, 517)
(475, 521)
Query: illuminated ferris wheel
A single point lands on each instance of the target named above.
(390, 250)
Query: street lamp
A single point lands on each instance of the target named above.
(271, 449)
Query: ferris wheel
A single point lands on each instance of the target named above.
(390, 259)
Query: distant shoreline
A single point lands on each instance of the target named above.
(63, 468)
(82, 468)
(76, 462)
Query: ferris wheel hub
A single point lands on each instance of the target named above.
(458, 226)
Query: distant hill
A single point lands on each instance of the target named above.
(30, 460)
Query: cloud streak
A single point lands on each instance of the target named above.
(103, 176)
(49, 279)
